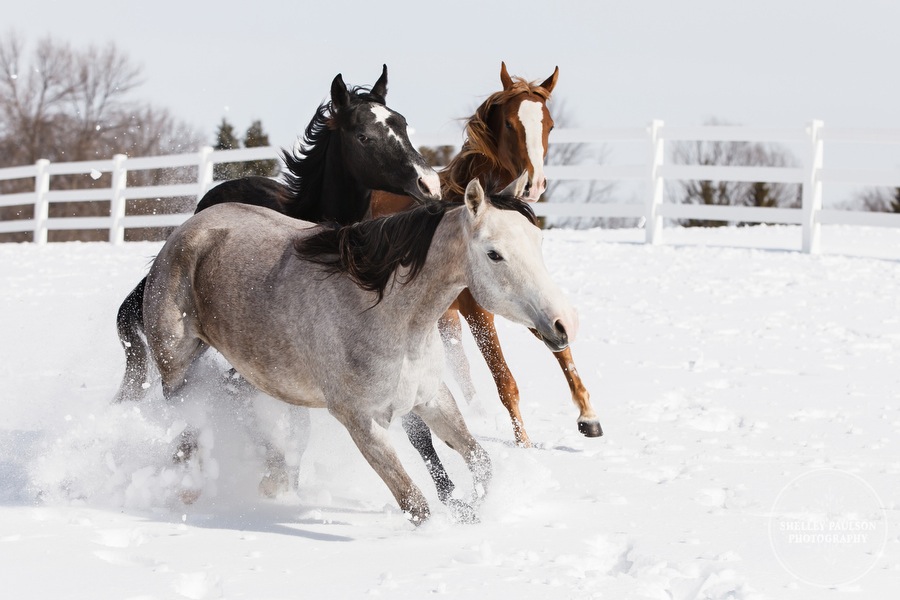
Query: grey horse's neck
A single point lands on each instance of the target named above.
(441, 279)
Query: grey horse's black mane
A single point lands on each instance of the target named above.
(370, 251)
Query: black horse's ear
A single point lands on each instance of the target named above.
(380, 87)
(340, 97)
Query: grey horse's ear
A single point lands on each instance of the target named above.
(474, 197)
(517, 187)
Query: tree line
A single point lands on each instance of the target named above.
(65, 103)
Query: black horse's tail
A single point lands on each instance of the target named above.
(130, 323)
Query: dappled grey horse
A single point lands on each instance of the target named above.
(346, 318)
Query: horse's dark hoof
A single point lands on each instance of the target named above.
(590, 428)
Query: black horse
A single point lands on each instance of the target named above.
(354, 144)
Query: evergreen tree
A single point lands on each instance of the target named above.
(226, 140)
(895, 201)
(256, 137)
(437, 156)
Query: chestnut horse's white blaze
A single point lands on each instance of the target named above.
(531, 115)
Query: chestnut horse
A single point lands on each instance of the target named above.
(506, 136)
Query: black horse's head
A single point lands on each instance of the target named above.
(375, 142)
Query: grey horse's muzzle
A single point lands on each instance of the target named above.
(554, 335)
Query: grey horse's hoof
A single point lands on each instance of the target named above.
(461, 512)
(590, 428)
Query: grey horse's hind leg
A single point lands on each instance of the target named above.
(283, 432)
(420, 437)
(177, 361)
(276, 479)
(130, 325)
(174, 346)
(443, 417)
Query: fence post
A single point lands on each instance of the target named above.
(204, 171)
(117, 200)
(41, 203)
(812, 190)
(654, 223)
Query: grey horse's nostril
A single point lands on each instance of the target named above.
(561, 330)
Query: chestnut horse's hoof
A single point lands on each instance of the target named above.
(590, 428)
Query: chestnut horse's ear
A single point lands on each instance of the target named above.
(550, 82)
(380, 87)
(474, 197)
(340, 97)
(505, 79)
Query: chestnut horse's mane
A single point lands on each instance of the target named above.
(479, 155)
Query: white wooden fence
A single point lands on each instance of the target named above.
(655, 172)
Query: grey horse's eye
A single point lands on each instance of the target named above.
(362, 138)
(494, 256)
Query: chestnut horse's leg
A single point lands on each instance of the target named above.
(451, 335)
(481, 323)
(588, 423)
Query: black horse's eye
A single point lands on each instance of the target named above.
(509, 125)
(494, 256)
(362, 138)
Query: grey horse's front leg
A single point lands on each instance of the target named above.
(372, 440)
(443, 417)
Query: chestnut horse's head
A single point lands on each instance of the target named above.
(507, 135)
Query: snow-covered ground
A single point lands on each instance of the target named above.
(749, 394)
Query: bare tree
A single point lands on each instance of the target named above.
(65, 104)
(732, 193)
(877, 199)
(577, 191)
(32, 97)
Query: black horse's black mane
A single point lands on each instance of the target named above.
(304, 174)
(369, 252)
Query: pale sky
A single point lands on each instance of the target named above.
(773, 63)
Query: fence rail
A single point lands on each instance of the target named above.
(811, 176)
